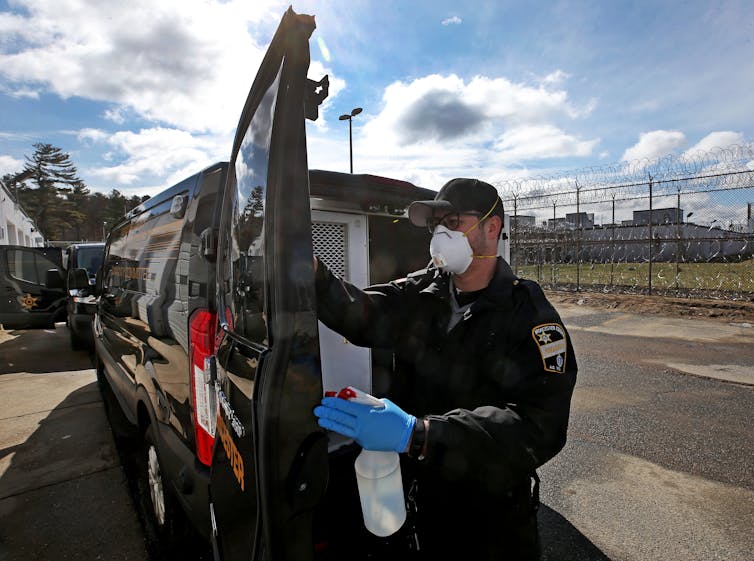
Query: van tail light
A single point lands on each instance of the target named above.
(203, 398)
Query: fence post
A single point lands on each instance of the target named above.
(612, 257)
(514, 234)
(651, 244)
(678, 241)
(578, 240)
(554, 245)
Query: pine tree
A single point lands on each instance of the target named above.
(77, 199)
(55, 175)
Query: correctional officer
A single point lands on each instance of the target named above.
(481, 384)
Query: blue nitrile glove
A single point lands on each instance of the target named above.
(374, 428)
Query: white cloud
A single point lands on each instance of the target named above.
(95, 135)
(9, 164)
(157, 153)
(454, 20)
(438, 127)
(446, 108)
(30, 93)
(185, 66)
(713, 141)
(187, 63)
(540, 142)
(654, 144)
(554, 78)
(115, 114)
(182, 66)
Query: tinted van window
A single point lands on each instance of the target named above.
(89, 258)
(28, 266)
(119, 273)
(243, 274)
(140, 273)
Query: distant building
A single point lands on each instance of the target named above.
(581, 219)
(16, 228)
(572, 221)
(671, 242)
(523, 221)
(557, 224)
(659, 216)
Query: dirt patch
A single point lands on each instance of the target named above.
(726, 311)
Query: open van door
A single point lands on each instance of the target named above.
(269, 466)
(27, 299)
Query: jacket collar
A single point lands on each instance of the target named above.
(500, 289)
(497, 293)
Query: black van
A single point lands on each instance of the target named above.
(206, 333)
(81, 261)
(157, 317)
(31, 287)
(156, 298)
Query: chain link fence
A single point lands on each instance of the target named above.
(680, 226)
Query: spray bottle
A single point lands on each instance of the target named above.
(378, 475)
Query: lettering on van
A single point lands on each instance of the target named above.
(236, 461)
(229, 413)
(128, 272)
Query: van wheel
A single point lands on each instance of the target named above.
(164, 518)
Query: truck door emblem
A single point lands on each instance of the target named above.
(28, 301)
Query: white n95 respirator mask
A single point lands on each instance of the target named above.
(450, 250)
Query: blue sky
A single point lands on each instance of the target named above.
(143, 94)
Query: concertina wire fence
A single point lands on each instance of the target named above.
(677, 226)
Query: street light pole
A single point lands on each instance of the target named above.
(349, 117)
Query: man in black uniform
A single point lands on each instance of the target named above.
(481, 389)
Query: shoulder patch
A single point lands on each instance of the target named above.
(551, 342)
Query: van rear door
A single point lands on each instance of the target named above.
(269, 467)
(25, 300)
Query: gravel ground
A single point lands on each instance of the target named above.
(727, 311)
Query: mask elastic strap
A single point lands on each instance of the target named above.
(482, 219)
(477, 224)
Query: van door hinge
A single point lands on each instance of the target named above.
(314, 95)
(208, 244)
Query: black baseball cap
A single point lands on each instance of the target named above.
(458, 195)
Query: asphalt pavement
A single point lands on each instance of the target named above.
(658, 464)
(63, 494)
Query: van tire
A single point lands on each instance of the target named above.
(164, 519)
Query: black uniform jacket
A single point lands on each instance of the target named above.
(496, 388)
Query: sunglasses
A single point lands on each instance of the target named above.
(451, 220)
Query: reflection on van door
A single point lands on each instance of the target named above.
(269, 467)
(340, 242)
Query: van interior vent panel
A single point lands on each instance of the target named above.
(330, 243)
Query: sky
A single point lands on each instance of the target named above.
(142, 94)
